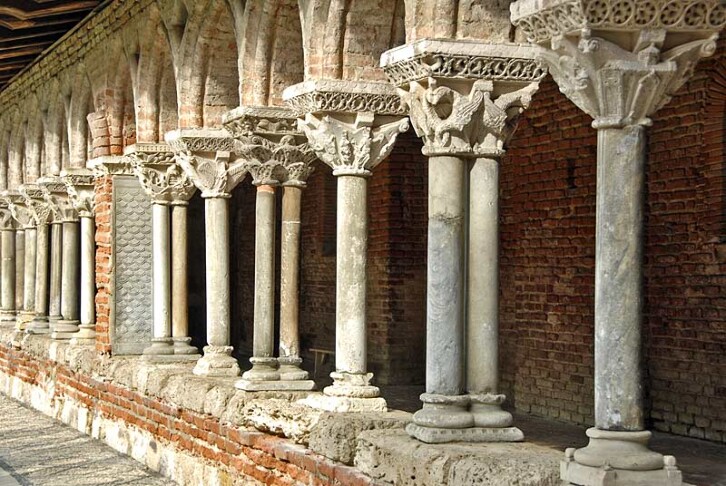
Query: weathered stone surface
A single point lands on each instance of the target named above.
(392, 457)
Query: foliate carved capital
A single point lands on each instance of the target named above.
(35, 202)
(110, 165)
(207, 157)
(352, 146)
(541, 20)
(620, 86)
(16, 205)
(7, 222)
(160, 176)
(56, 198)
(80, 186)
(337, 96)
(464, 97)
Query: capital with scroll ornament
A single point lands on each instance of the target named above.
(80, 184)
(35, 202)
(20, 213)
(207, 157)
(160, 176)
(7, 222)
(55, 196)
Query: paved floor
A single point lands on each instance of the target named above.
(36, 450)
(703, 463)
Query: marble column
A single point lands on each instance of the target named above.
(31, 247)
(465, 116)
(7, 285)
(40, 211)
(620, 74)
(55, 197)
(269, 142)
(19, 270)
(352, 141)
(87, 328)
(201, 152)
(169, 189)
(25, 245)
(66, 327)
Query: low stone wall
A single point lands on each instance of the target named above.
(202, 431)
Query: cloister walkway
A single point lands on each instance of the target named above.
(36, 450)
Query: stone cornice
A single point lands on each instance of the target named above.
(541, 20)
(337, 96)
(110, 165)
(462, 59)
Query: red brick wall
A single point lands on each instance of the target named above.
(266, 458)
(103, 200)
(547, 257)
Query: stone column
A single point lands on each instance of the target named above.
(7, 228)
(268, 142)
(19, 270)
(465, 113)
(24, 258)
(206, 157)
(352, 127)
(66, 327)
(169, 189)
(31, 253)
(55, 196)
(40, 211)
(620, 74)
(87, 329)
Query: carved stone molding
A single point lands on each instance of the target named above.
(207, 157)
(35, 202)
(55, 196)
(16, 204)
(352, 147)
(339, 96)
(464, 98)
(619, 87)
(80, 185)
(462, 59)
(159, 174)
(271, 144)
(110, 165)
(541, 20)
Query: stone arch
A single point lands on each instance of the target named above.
(33, 139)
(77, 98)
(205, 59)
(16, 152)
(52, 114)
(458, 19)
(272, 52)
(4, 152)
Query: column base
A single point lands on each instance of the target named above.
(486, 409)
(86, 335)
(575, 473)
(7, 317)
(263, 369)
(39, 325)
(434, 435)
(182, 347)
(159, 346)
(345, 404)
(444, 412)
(289, 368)
(217, 361)
(65, 329)
(23, 318)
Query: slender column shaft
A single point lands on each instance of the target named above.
(264, 312)
(179, 281)
(290, 273)
(56, 244)
(70, 271)
(217, 237)
(483, 278)
(618, 275)
(445, 288)
(41, 274)
(350, 301)
(88, 272)
(8, 275)
(31, 246)
(161, 271)
(19, 268)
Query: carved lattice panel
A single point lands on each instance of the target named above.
(131, 320)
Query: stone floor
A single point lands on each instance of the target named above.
(703, 463)
(37, 450)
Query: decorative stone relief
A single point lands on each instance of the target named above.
(206, 155)
(110, 165)
(55, 196)
(541, 21)
(343, 97)
(80, 187)
(21, 214)
(617, 86)
(7, 222)
(35, 202)
(270, 143)
(132, 285)
(464, 97)
(160, 176)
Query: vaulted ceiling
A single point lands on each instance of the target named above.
(28, 27)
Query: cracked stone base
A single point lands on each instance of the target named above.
(217, 361)
(577, 474)
(433, 435)
(275, 385)
(23, 319)
(7, 317)
(182, 347)
(38, 327)
(65, 329)
(345, 404)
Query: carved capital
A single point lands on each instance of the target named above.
(337, 96)
(80, 186)
(7, 222)
(464, 98)
(207, 157)
(56, 198)
(35, 202)
(110, 165)
(19, 212)
(160, 176)
(270, 143)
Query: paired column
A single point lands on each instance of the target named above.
(620, 75)
(25, 245)
(56, 198)
(352, 139)
(7, 268)
(169, 189)
(34, 200)
(268, 142)
(206, 157)
(465, 113)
